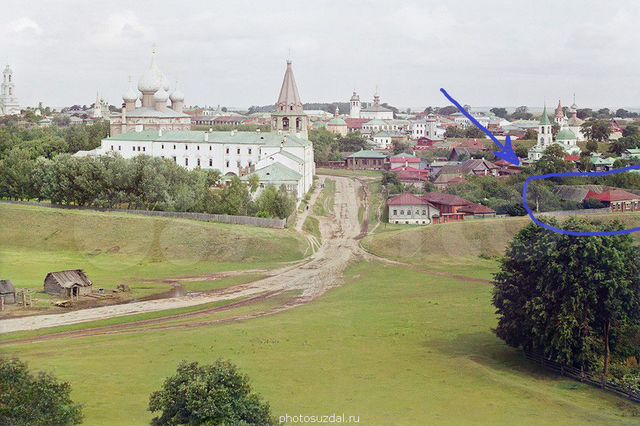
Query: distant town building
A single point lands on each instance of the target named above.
(283, 156)
(565, 138)
(8, 100)
(100, 108)
(374, 111)
(337, 125)
(354, 110)
(149, 110)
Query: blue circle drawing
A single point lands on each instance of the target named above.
(575, 174)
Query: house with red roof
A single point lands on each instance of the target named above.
(618, 200)
(404, 160)
(434, 207)
(410, 209)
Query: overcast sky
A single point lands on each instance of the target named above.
(233, 52)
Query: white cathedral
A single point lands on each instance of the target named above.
(283, 156)
(8, 100)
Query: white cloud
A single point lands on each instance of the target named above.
(24, 25)
(121, 28)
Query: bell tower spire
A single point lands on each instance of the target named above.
(289, 116)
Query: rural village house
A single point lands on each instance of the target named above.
(433, 207)
(411, 209)
(7, 291)
(617, 200)
(71, 283)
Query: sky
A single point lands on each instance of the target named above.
(233, 53)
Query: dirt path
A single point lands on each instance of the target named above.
(312, 277)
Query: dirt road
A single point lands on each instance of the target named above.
(312, 277)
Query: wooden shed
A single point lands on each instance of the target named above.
(7, 291)
(71, 283)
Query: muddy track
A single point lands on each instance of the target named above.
(312, 278)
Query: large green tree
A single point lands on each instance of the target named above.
(569, 298)
(34, 399)
(217, 394)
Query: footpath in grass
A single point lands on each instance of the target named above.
(325, 201)
(392, 345)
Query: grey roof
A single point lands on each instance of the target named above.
(468, 167)
(68, 279)
(6, 286)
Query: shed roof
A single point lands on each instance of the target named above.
(6, 286)
(68, 279)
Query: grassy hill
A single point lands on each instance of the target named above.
(392, 345)
(116, 248)
(454, 247)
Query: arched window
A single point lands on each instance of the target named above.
(285, 123)
(298, 123)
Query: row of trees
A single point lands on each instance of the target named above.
(216, 394)
(575, 300)
(140, 183)
(47, 142)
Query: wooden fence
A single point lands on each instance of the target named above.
(582, 376)
(203, 217)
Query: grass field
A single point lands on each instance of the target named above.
(393, 346)
(118, 248)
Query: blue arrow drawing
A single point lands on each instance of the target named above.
(506, 151)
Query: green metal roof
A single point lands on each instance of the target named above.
(275, 172)
(225, 137)
(337, 122)
(597, 160)
(565, 135)
(544, 120)
(374, 122)
(367, 153)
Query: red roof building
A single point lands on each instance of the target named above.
(355, 124)
(618, 200)
(443, 208)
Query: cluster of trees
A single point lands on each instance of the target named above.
(34, 399)
(143, 182)
(217, 394)
(328, 146)
(630, 139)
(50, 141)
(574, 300)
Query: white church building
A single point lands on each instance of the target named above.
(8, 100)
(565, 138)
(283, 156)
